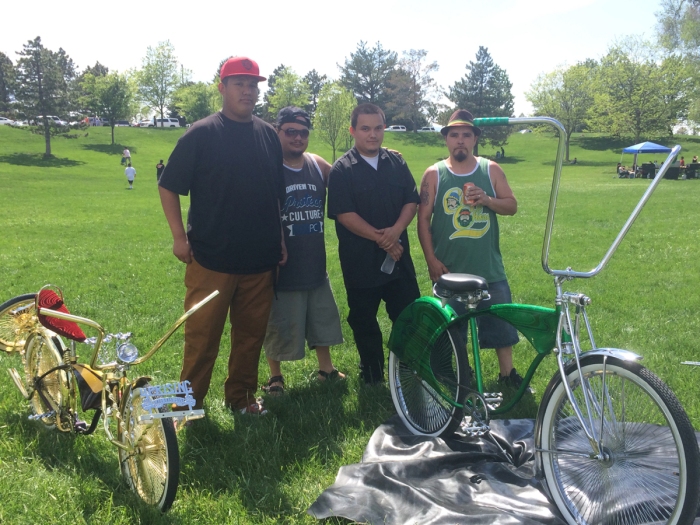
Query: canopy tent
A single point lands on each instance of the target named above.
(644, 147)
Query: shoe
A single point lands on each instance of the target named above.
(255, 409)
(272, 389)
(333, 375)
(514, 381)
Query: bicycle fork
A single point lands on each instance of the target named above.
(572, 327)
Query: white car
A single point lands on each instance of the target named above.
(167, 123)
(396, 128)
(427, 129)
(6, 121)
(52, 120)
(145, 124)
(523, 131)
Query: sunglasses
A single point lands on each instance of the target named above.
(292, 132)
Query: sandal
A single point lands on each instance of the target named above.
(333, 375)
(274, 390)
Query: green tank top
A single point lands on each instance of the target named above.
(465, 237)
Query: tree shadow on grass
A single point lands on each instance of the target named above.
(38, 160)
(109, 149)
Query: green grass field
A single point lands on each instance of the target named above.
(69, 221)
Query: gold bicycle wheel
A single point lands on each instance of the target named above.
(152, 465)
(16, 315)
(43, 355)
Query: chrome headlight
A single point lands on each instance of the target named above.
(127, 353)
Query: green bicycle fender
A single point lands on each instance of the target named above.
(416, 329)
(537, 323)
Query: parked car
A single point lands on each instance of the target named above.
(525, 131)
(20, 123)
(122, 123)
(396, 128)
(145, 124)
(6, 121)
(53, 119)
(427, 129)
(167, 122)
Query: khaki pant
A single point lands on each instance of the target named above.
(248, 299)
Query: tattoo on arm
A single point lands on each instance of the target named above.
(424, 193)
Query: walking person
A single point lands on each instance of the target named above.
(372, 197)
(304, 310)
(130, 173)
(230, 164)
(126, 156)
(159, 169)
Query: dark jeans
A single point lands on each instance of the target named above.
(364, 304)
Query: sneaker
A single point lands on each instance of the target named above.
(514, 381)
(256, 409)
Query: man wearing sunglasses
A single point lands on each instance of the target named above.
(304, 310)
(230, 163)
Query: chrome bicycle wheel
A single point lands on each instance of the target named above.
(650, 472)
(422, 409)
(51, 392)
(152, 466)
(15, 316)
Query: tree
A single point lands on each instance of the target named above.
(485, 91)
(638, 94)
(315, 83)
(332, 118)
(290, 90)
(264, 109)
(412, 88)
(7, 82)
(564, 94)
(678, 26)
(43, 84)
(158, 77)
(196, 101)
(366, 72)
(111, 96)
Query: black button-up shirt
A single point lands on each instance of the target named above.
(378, 196)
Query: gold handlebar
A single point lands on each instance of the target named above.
(100, 331)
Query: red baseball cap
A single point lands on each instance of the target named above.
(241, 66)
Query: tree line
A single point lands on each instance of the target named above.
(43, 82)
(638, 88)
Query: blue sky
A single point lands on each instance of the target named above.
(524, 37)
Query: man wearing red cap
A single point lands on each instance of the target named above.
(461, 197)
(230, 164)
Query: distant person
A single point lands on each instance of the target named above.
(126, 156)
(619, 168)
(130, 174)
(503, 153)
(574, 161)
(682, 162)
(159, 169)
(695, 159)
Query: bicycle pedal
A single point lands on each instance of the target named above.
(473, 428)
(493, 399)
(36, 417)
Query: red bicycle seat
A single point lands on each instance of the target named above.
(50, 299)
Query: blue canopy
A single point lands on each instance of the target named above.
(646, 147)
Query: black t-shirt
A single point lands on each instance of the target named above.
(233, 173)
(378, 196)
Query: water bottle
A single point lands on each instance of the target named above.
(389, 263)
